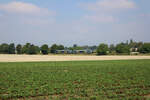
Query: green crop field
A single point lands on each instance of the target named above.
(75, 80)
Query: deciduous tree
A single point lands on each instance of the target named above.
(44, 49)
(11, 49)
(19, 49)
(102, 49)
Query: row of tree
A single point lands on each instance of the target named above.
(124, 48)
(28, 48)
(102, 49)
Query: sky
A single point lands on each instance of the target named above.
(68, 22)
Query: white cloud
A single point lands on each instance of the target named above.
(109, 5)
(105, 11)
(99, 18)
(25, 14)
(24, 8)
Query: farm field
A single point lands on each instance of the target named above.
(75, 80)
(33, 58)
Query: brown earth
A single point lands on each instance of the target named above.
(147, 96)
(30, 58)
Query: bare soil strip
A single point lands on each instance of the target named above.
(147, 96)
(31, 58)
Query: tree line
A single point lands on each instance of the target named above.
(28, 48)
(124, 48)
(102, 49)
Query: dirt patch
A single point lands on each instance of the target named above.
(147, 96)
(30, 58)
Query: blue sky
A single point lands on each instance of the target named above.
(68, 22)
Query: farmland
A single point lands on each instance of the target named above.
(75, 80)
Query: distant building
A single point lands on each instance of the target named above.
(87, 51)
(133, 49)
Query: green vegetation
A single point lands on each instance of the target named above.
(123, 48)
(103, 49)
(28, 49)
(44, 49)
(55, 47)
(75, 80)
(145, 48)
(11, 48)
(19, 49)
(4, 48)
